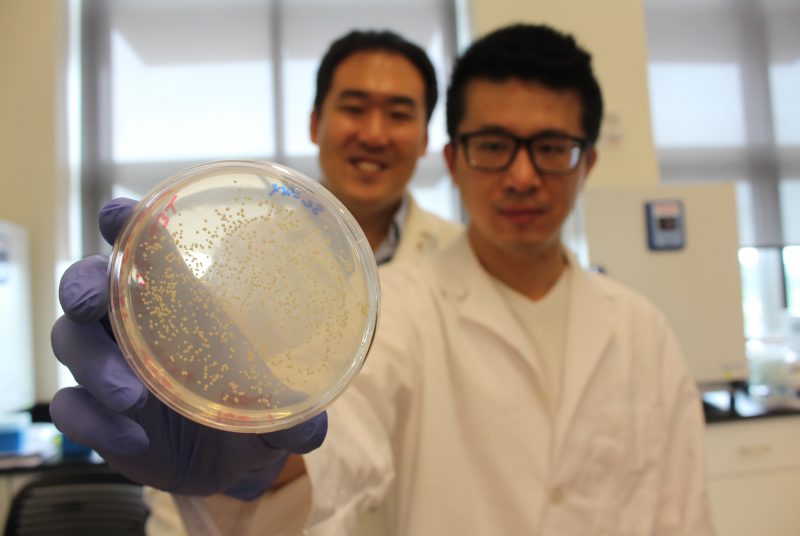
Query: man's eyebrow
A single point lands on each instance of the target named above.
(497, 129)
(352, 94)
(491, 129)
(403, 100)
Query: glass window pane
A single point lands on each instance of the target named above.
(696, 105)
(299, 99)
(783, 19)
(790, 210)
(785, 86)
(189, 85)
(791, 265)
(762, 291)
(744, 213)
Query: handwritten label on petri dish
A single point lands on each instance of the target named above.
(291, 191)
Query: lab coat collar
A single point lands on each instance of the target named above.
(418, 234)
(590, 326)
(464, 280)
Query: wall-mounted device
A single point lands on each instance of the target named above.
(665, 224)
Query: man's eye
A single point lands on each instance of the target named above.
(401, 115)
(351, 109)
(492, 145)
(553, 148)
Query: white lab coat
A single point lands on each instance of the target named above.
(443, 406)
(423, 232)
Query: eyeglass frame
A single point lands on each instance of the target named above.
(582, 144)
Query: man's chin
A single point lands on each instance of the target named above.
(371, 201)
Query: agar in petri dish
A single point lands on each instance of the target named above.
(244, 295)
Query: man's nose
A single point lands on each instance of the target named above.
(522, 174)
(373, 131)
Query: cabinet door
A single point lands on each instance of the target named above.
(754, 476)
(761, 504)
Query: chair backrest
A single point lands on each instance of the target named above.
(91, 504)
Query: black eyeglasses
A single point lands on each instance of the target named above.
(550, 152)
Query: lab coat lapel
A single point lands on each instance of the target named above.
(465, 280)
(417, 236)
(589, 330)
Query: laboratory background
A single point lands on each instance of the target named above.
(694, 200)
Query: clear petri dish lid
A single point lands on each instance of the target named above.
(244, 295)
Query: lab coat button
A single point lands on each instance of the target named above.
(557, 496)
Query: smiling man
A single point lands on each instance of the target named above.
(375, 95)
(507, 391)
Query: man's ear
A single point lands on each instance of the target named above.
(423, 150)
(450, 157)
(589, 159)
(313, 125)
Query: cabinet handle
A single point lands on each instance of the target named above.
(752, 451)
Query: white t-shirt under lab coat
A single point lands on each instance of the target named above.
(445, 410)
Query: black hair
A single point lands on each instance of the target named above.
(531, 53)
(367, 41)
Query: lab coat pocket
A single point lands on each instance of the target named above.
(620, 470)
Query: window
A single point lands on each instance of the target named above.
(791, 262)
(172, 83)
(724, 80)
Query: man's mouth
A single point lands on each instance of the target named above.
(368, 166)
(521, 215)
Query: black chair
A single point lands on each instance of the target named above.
(78, 504)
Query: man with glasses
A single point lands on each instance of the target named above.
(508, 391)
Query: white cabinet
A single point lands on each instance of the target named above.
(754, 476)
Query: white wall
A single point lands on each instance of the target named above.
(614, 32)
(698, 287)
(31, 156)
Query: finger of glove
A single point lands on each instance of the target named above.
(83, 292)
(256, 482)
(88, 422)
(113, 217)
(97, 363)
(302, 438)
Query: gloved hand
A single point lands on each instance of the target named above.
(112, 411)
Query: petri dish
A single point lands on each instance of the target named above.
(244, 295)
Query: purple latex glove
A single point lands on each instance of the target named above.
(112, 411)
